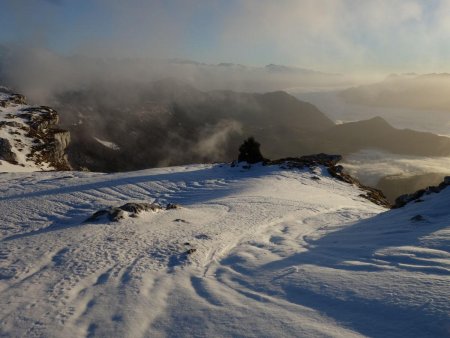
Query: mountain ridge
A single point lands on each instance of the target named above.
(216, 122)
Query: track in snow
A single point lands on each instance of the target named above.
(276, 253)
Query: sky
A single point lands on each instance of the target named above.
(327, 35)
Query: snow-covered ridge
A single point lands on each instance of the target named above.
(29, 137)
(254, 251)
(416, 197)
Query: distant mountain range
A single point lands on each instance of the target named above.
(378, 134)
(424, 92)
(274, 68)
(118, 127)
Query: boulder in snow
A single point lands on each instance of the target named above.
(115, 214)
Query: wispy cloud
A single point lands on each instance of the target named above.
(334, 35)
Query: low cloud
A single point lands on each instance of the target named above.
(372, 165)
(214, 139)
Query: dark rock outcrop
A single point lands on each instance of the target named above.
(115, 214)
(171, 206)
(308, 161)
(11, 99)
(5, 151)
(36, 126)
(418, 218)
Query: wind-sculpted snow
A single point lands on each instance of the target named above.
(253, 252)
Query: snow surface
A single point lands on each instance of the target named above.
(277, 253)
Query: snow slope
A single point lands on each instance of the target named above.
(274, 253)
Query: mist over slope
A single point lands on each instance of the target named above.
(422, 92)
(169, 122)
(42, 74)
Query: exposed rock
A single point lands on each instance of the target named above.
(6, 152)
(139, 207)
(309, 161)
(374, 195)
(11, 124)
(36, 126)
(17, 99)
(407, 198)
(202, 236)
(11, 98)
(418, 218)
(115, 214)
(190, 251)
(170, 206)
(54, 148)
(40, 118)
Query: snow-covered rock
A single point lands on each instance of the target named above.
(29, 137)
(255, 252)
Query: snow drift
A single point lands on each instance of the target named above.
(256, 252)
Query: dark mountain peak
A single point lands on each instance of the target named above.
(376, 121)
(279, 94)
(379, 134)
(374, 124)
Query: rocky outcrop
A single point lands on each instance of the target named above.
(374, 195)
(5, 151)
(115, 214)
(132, 209)
(402, 200)
(11, 98)
(30, 134)
(307, 161)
